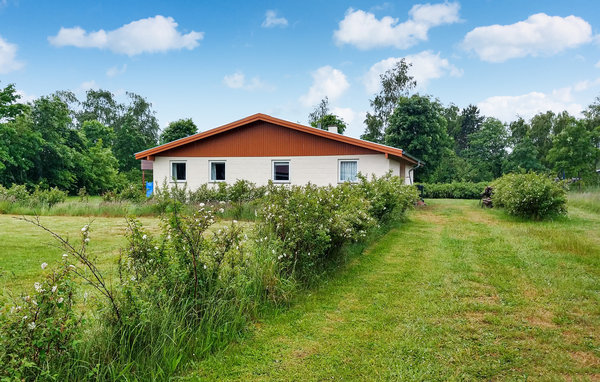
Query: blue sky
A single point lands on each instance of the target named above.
(220, 61)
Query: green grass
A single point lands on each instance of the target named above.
(459, 293)
(588, 200)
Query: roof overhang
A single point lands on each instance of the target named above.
(387, 150)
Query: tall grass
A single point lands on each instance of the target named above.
(587, 200)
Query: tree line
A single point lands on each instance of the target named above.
(464, 145)
(60, 141)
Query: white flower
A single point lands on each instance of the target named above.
(205, 266)
(202, 204)
(279, 257)
(60, 300)
(85, 228)
(235, 222)
(34, 302)
(87, 240)
(144, 237)
(37, 286)
(54, 288)
(65, 255)
(132, 278)
(156, 248)
(221, 202)
(85, 295)
(44, 265)
(31, 325)
(71, 266)
(221, 210)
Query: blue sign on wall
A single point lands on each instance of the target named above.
(149, 189)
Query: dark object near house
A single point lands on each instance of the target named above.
(421, 189)
(486, 197)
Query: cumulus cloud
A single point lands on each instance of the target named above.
(327, 82)
(87, 85)
(115, 70)
(364, 31)
(150, 35)
(271, 20)
(509, 108)
(345, 113)
(238, 80)
(8, 57)
(426, 66)
(539, 35)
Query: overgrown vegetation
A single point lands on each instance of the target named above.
(186, 291)
(530, 195)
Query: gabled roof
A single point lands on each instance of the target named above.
(387, 150)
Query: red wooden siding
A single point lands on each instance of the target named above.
(262, 138)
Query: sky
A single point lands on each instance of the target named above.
(217, 62)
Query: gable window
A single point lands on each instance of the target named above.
(348, 170)
(178, 171)
(281, 171)
(217, 171)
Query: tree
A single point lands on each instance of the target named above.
(10, 108)
(100, 105)
(177, 130)
(523, 158)
(451, 168)
(487, 150)
(321, 118)
(470, 122)
(419, 127)
(95, 131)
(541, 134)
(395, 83)
(573, 152)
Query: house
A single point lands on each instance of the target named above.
(260, 148)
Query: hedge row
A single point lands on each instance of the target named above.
(454, 190)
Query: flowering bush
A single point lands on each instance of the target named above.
(530, 195)
(39, 329)
(304, 225)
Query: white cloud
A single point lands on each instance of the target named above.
(539, 35)
(87, 85)
(597, 64)
(345, 113)
(363, 30)
(327, 82)
(25, 98)
(151, 35)
(271, 20)
(115, 70)
(509, 108)
(238, 80)
(8, 57)
(425, 66)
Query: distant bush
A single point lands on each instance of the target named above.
(48, 197)
(454, 190)
(530, 195)
(18, 195)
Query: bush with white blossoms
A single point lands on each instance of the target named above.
(40, 328)
(533, 196)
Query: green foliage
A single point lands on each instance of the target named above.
(419, 127)
(321, 118)
(454, 190)
(39, 329)
(10, 108)
(48, 197)
(530, 195)
(177, 130)
(395, 83)
(470, 122)
(572, 154)
(486, 150)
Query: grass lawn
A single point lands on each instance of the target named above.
(24, 247)
(456, 293)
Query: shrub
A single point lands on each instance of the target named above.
(530, 195)
(132, 192)
(39, 329)
(48, 197)
(454, 190)
(15, 194)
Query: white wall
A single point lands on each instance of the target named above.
(319, 170)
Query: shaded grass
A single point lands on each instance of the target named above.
(589, 200)
(459, 293)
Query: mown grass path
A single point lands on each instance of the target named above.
(456, 293)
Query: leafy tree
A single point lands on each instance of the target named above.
(573, 152)
(451, 168)
(95, 131)
(100, 105)
(321, 118)
(419, 127)
(523, 158)
(395, 83)
(177, 130)
(541, 134)
(136, 130)
(19, 150)
(10, 108)
(470, 123)
(487, 150)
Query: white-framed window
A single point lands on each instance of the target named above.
(348, 170)
(178, 171)
(281, 171)
(217, 171)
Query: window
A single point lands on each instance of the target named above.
(281, 171)
(178, 173)
(348, 170)
(217, 171)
